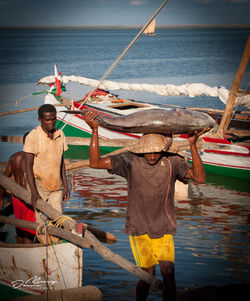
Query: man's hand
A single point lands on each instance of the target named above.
(66, 194)
(194, 136)
(90, 117)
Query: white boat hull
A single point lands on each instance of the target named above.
(220, 158)
(25, 268)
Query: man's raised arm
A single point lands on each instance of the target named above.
(197, 173)
(94, 152)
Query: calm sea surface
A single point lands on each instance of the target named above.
(212, 241)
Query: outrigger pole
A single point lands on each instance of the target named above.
(235, 87)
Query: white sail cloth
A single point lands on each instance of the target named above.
(191, 90)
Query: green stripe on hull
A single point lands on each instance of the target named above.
(227, 171)
(71, 131)
(8, 292)
(80, 151)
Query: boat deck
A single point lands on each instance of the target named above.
(122, 108)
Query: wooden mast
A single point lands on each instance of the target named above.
(235, 87)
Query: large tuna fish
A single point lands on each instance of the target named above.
(176, 121)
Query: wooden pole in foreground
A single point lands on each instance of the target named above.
(235, 87)
(23, 194)
(100, 248)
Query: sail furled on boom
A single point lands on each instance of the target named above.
(190, 90)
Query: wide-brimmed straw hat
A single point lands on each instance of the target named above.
(151, 143)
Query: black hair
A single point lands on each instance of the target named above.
(46, 108)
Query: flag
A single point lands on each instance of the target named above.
(58, 87)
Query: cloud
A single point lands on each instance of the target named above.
(138, 2)
(239, 1)
(223, 1)
(205, 1)
(4, 3)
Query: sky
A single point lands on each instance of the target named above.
(122, 12)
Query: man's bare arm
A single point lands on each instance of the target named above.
(94, 152)
(8, 172)
(66, 192)
(197, 172)
(29, 162)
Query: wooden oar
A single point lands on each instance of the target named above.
(100, 248)
(100, 234)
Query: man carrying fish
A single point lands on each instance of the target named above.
(151, 173)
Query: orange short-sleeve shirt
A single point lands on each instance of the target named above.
(48, 156)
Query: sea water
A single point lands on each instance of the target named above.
(212, 242)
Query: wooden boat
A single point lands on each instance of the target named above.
(219, 157)
(23, 267)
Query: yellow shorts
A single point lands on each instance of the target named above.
(149, 251)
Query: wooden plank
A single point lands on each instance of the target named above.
(102, 142)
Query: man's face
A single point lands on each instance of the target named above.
(48, 122)
(152, 158)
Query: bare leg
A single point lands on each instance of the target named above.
(142, 288)
(28, 238)
(24, 237)
(169, 286)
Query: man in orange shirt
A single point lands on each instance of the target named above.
(44, 162)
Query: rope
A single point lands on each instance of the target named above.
(43, 229)
(44, 217)
(116, 62)
(58, 222)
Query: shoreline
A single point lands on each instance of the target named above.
(99, 27)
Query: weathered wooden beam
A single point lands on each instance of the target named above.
(59, 232)
(100, 248)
